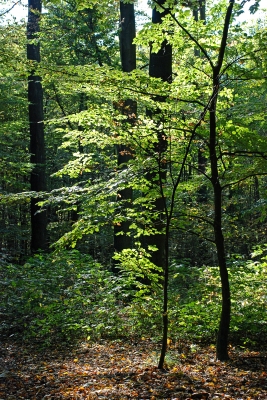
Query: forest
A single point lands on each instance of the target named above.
(133, 200)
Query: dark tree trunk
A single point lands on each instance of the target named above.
(160, 66)
(199, 13)
(202, 193)
(223, 332)
(36, 117)
(224, 326)
(129, 108)
(127, 35)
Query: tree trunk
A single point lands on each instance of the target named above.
(127, 35)
(160, 63)
(129, 108)
(36, 117)
(160, 66)
(224, 326)
(199, 13)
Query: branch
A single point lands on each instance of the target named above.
(11, 8)
(245, 153)
(242, 57)
(199, 171)
(153, 95)
(191, 37)
(224, 36)
(61, 106)
(198, 217)
(196, 234)
(244, 178)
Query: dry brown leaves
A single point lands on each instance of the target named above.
(123, 370)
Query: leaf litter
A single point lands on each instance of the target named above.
(128, 370)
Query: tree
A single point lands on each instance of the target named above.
(160, 66)
(216, 63)
(36, 121)
(15, 165)
(222, 338)
(122, 238)
(198, 106)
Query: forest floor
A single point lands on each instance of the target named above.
(127, 370)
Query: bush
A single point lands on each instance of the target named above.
(62, 296)
(68, 296)
(195, 301)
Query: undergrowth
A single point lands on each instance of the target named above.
(68, 296)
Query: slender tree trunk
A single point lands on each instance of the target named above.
(224, 326)
(199, 13)
(160, 66)
(127, 107)
(165, 319)
(256, 189)
(36, 117)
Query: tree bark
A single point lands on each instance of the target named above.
(202, 193)
(36, 117)
(127, 35)
(224, 326)
(129, 108)
(160, 63)
(160, 66)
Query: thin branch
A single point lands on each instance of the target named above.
(245, 153)
(61, 106)
(241, 57)
(198, 217)
(224, 36)
(191, 37)
(196, 234)
(199, 171)
(11, 8)
(243, 179)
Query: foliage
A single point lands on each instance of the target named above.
(14, 160)
(60, 296)
(68, 295)
(195, 301)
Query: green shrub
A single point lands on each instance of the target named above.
(195, 301)
(67, 296)
(61, 295)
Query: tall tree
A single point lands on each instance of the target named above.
(216, 66)
(224, 326)
(199, 13)
(36, 121)
(14, 142)
(160, 66)
(128, 107)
